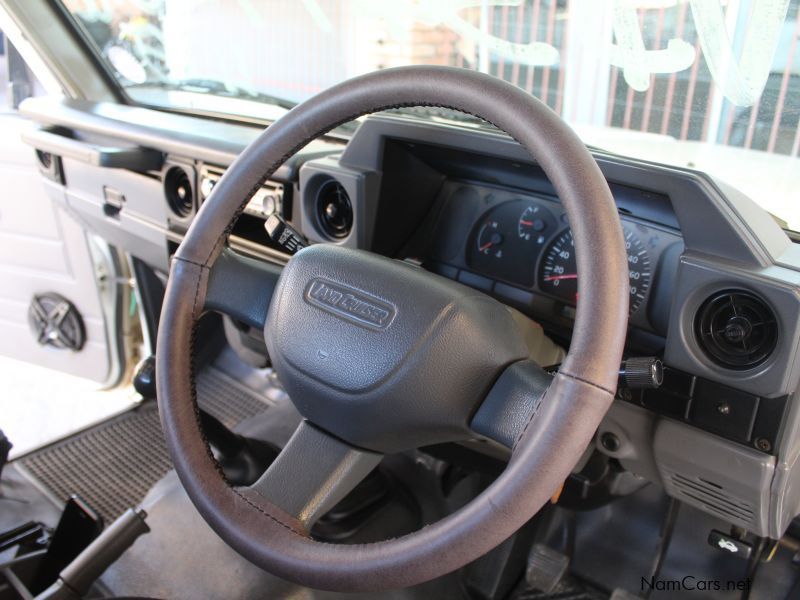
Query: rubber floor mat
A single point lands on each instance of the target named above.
(569, 589)
(561, 595)
(113, 465)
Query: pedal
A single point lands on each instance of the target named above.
(622, 594)
(729, 545)
(546, 568)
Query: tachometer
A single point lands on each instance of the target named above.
(558, 271)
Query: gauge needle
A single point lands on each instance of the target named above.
(486, 246)
(559, 277)
(528, 223)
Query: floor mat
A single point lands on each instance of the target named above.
(561, 595)
(570, 588)
(565, 594)
(113, 465)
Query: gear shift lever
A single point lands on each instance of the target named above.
(242, 459)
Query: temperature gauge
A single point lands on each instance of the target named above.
(490, 240)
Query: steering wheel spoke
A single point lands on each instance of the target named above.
(313, 473)
(241, 287)
(512, 403)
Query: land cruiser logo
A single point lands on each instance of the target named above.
(351, 304)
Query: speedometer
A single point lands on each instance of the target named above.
(558, 273)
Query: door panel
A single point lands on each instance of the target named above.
(43, 250)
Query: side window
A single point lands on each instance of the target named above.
(3, 74)
(17, 82)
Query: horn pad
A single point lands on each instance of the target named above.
(362, 344)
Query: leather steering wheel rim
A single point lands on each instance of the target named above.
(555, 435)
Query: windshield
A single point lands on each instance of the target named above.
(708, 84)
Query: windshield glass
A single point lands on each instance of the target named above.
(709, 84)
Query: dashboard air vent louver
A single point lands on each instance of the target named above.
(736, 329)
(179, 192)
(334, 210)
(45, 159)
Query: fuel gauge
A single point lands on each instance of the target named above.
(530, 223)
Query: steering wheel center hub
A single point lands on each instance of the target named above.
(350, 303)
(360, 343)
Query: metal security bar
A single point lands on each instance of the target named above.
(684, 104)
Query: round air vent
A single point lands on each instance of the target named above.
(736, 329)
(334, 211)
(178, 189)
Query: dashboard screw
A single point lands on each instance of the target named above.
(763, 444)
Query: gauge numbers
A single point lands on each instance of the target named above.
(639, 272)
(558, 274)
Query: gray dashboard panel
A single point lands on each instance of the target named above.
(699, 276)
(145, 224)
(728, 241)
(138, 227)
(215, 142)
(785, 496)
(740, 246)
(715, 475)
(737, 238)
(711, 223)
(633, 427)
(358, 183)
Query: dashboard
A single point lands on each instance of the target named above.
(714, 283)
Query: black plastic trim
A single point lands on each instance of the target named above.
(725, 411)
(151, 295)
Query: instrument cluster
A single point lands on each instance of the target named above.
(523, 243)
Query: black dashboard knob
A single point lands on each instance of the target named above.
(641, 372)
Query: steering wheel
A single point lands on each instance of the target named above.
(380, 356)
